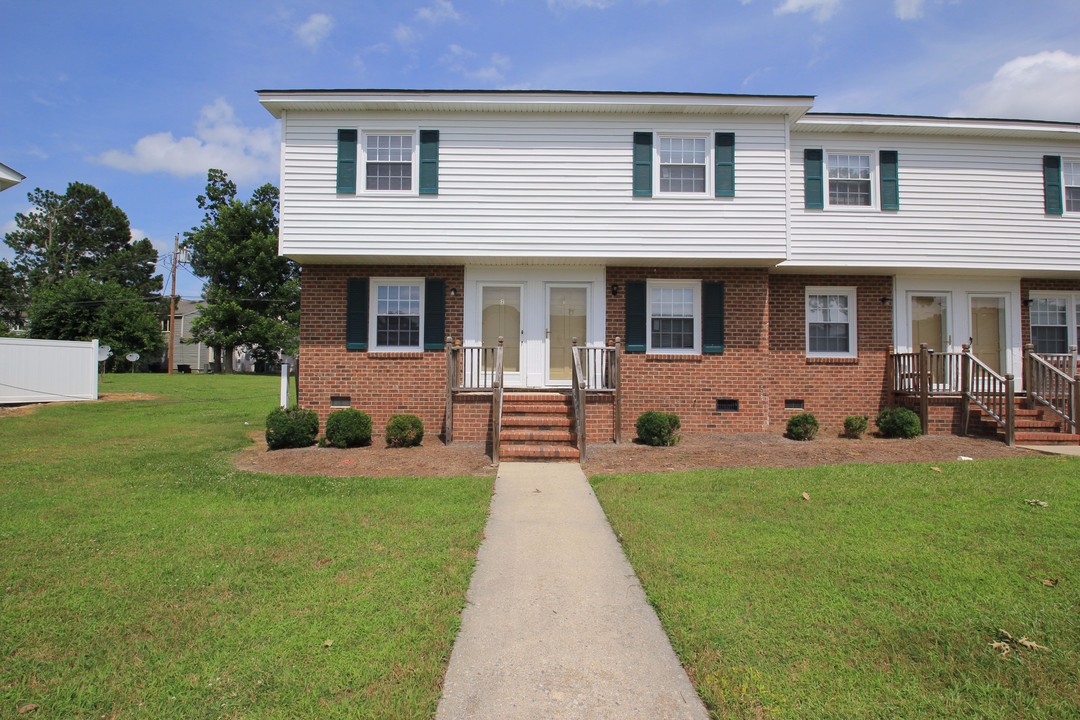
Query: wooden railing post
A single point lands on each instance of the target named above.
(496, 404)
(617, 373)
(1029, 385)
(890, 373)
(451, 381)
(965, 389)
(924, 387)
(1074, 411)
(1010, 411)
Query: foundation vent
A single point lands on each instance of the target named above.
(340, 401)
(794, 404)
(726, 405)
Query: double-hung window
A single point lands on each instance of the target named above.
(850, 179)
(388, 161)
(1050, 325)
(830, 322)
(397, 306)
(674, 323)
(683, 163)
(1070, 170)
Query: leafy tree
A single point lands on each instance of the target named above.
(252, 295)
(80, 233)
(12, 298)
(81, 308)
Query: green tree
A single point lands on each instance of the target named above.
(252, 294)
(80, 233)
(12, 298)
(81, 308)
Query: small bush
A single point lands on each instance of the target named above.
(658, 429)
(404, 431)
(292, 428)
(803, 426)
(899, 422)
(855, 425)
(348, 428)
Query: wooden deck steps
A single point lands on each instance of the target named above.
(1034, 426)
(538, 426)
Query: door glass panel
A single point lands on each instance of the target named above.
(929, 322)
(502, 318)
(567, 316)
(988, 331)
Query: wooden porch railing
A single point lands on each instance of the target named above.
(961, 375)
(600, 368)
(497, 404)
(1051, 381)
(578, 383)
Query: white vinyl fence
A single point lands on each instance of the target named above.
(33, 371)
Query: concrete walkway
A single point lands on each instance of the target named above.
(1073, 450)
(556, 624)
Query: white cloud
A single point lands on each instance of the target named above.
(459, 60)
(404, 34)
(909, 9)
(822, 9)
(577, 4)
(439, 11)
(220, 141)
(1041, 86)
(314, 30)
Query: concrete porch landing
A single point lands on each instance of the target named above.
(556, 624)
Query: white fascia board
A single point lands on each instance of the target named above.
(9, 177)
(916, 125)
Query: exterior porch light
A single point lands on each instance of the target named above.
(453, 292)
(886, 300)
(614, 291)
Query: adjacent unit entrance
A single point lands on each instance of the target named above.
(538, 311)
(988, 338)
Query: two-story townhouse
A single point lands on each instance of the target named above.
(753, 259)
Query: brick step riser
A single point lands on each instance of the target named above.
(537, 436)
(536, 410)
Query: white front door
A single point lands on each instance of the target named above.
(567, 323)
(989, 330)
(501, 316)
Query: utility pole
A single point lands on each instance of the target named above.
(172, 303)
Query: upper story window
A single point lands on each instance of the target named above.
(1071, 175)
(388, 161)
(674, 316)
(830, 322)
(683, 164)
(397, 306)
(849, 179)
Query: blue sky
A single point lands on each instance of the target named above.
(140, 98)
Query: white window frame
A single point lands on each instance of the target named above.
(853, 320)
(373, 314)
(694, 285)
(709, 163)
(1065, 162)
(1072, 314)
(874, 169)
(361, 179)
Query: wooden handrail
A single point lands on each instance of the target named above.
(992, 392)
(616, 374)
(578, 384)
(451, 382)
(497, 404)
(1052, 387)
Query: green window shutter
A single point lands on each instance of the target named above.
(643, 164)
(346, 161)
(1052, 184)
(434, 314)
(429, 164)
(813, 179)
(356, 315)
(712, 318)
(725, 164)
(635, 316)
(889, 162)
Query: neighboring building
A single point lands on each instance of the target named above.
(9, 178)
(757, 259)
(187, 355)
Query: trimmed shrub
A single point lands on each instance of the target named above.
(855, 425)
(348, 428)
(404, 431)
(803, 426)
(899, 422)
(292, 428)
(658, 429)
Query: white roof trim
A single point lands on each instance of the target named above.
(9, 177)
(916, 125)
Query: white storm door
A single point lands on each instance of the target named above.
(567, 319)
(989, 330)
(501, 315)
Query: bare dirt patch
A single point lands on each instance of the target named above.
(14, 410)
(696, 451)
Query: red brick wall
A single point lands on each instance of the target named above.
(380, 384)
(831, 388)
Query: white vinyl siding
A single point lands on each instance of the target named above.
(830, 322)
(966, 204)
(532, 185)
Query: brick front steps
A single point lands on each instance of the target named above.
(538, 426)
(1037, 426)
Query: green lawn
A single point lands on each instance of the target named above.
(142, 576)
(877, 598)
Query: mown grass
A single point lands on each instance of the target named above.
(877, 598)
(142, 576)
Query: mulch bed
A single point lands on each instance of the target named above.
(695, 451)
